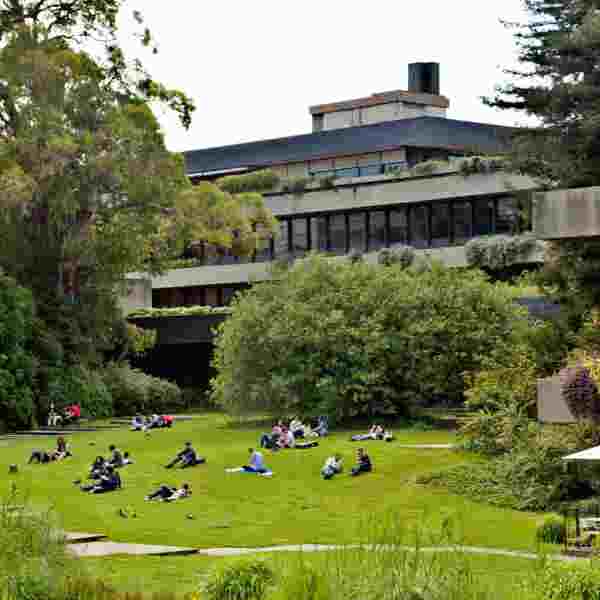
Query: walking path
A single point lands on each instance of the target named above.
(107, 548)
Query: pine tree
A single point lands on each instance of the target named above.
(559, 84)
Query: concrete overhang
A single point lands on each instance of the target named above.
(565, 214)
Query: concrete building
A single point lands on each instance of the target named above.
(363, 180)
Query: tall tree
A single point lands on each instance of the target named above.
(88, 189)
(559, 84)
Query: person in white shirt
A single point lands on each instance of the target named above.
(332, 466)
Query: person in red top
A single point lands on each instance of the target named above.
(167, 420)
(72, 413)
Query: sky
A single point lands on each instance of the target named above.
(254, 68)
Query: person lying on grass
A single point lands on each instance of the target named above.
(376, 432)
(187, 457)
(169, 494)
(255, 465)
(108, 482)
(363, 463)
(138, 423)
(59, 453)
(332, 466)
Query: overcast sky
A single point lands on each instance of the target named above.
(254, 67)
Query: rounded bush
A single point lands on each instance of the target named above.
(552, 531)
(243, 580)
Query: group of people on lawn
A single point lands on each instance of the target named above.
(69, 414)
(141, 423)
(105, 472)
(288, 436)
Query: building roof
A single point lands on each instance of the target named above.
(382, 98)
(420, 132)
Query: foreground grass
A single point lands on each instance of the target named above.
(294, 506)
(185, 574)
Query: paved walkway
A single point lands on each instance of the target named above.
(98, 547)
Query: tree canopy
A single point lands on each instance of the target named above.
(88, 189)
(559, 84)
(347, 338)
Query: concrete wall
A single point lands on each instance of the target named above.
(385, 191)
(567, 213)
(379, 113)
(136, 293)
(550, 404)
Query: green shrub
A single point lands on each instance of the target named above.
(327, 336)
(242, 580)
(17, 364)
(296, 185)
(400, 255)
(258, 181)
(80, 385)
(552, 531)
(568, 582)
(134, 391)
(179, 311)
(496, 252)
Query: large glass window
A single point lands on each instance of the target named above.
(483, 210)
(507, 216)
(282, 241)
(263, 251)
(358, 232)
(463, 230)
(348, 172)
(398, 227)
(376, 230)
(300, 236)
(419, 226)
(440, 224)
(322, 234)
(370, 170)
(337, 227)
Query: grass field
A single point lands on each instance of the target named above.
(294, 506)
(184, 574)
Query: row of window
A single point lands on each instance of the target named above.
(196, 295)
(362, 171)
(430, 225)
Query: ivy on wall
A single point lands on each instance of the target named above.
(496, 252)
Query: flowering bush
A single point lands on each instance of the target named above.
(580, 392)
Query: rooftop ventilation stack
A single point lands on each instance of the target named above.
(424, 78)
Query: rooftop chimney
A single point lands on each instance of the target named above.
(424, 78)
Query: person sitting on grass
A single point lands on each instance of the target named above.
(167, 420)
(322, 428)
(255, 465)
(98, 468)
(332, 466)
(271, 440)
(127, 460)
(169, 494)
(59, 453)
(297, 427)
(108, 482)
(116, 457)
(187, 457)
(138, 423)
(287, 439)
(363, 463)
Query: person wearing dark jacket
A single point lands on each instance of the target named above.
(187, 457)
(363, 463)
(109, 482)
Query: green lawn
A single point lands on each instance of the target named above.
(184, 574)
(294, 506)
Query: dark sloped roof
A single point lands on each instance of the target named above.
(423, 132)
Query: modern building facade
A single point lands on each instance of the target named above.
(375, 172)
